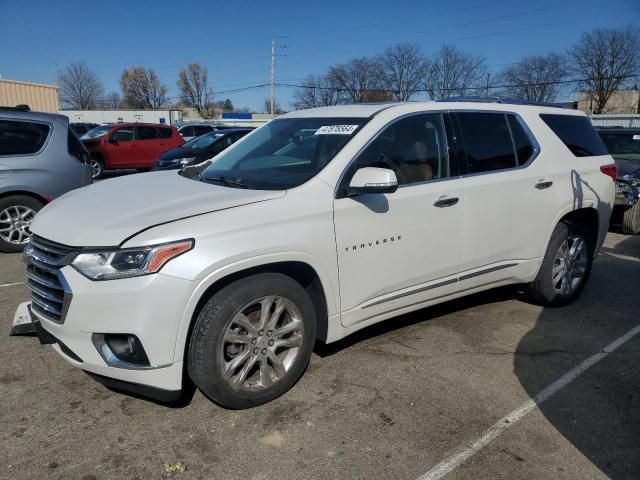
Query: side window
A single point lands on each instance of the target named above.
(202, 129)
(22, 138)
(577, 133)
(187, 131)
(415, 147)
(164, 132)
(487, 141)
(122, 135)
(522, 142)
(146, 133)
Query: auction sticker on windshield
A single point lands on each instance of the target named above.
(336, 130)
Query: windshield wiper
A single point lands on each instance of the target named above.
(226, 181)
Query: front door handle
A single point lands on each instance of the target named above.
(446, 202)
(541, 185)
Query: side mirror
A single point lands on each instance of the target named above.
(373, 180)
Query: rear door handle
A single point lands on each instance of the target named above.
(541, 185)
(446, 202)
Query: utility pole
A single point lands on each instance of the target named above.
(273, 75)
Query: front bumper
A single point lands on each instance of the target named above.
(149, 307)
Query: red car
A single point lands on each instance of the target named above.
(128, 145)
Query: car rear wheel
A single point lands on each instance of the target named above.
(97, 168)
(252, 340)
(565, 268)
(16, 214)
(631, 220)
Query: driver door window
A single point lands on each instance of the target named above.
(414, 147)
(122, 135)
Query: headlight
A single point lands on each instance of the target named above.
(128, 262)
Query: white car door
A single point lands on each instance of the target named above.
(399, 250)
(510, 198)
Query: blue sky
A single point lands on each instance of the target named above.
(233, 39)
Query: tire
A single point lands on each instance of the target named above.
(555, 285)
(631, 220)
(16, 213)
(97, 168)
(228, 329)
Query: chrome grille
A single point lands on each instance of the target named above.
(50, 294)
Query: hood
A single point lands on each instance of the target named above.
(108, 212)
(627, 167)
(180, 152)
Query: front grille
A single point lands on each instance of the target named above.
(50, 294)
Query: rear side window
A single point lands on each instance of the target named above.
(146, 133)
(76, 147)
(186, 131)
(164, 132)
(22, 138)
(521, 141)
(487, 141)
(576, 133)
(202, 129)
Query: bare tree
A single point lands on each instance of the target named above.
(195, 92)
(454, 72)
(536, 78)
(317, 91)
(605, 60)
(404, 69)
(79, 86)
(277, 109)
(113, 100)
(141, 88)
(361, 79)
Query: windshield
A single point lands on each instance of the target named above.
(203, 141)
(97, 132)
(283, 154)
(624, 146)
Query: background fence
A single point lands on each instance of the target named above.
(615, 120)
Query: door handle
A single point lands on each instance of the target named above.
(541, 185)
(446, 202)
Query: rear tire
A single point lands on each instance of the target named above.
(565, 268)
(16, 213)
(631, 220)
(97, 168)
(252, 340)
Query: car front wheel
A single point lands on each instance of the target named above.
(97, 169)
(252, 340)
(16, 214)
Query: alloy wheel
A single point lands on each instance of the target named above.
(96, 168)
(570, 265)
(261, 343)
(15, 222)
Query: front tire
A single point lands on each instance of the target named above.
(16, 214)
(631, 220)
(252, 340)
(565, 268)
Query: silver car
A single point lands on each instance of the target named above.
(40, 159)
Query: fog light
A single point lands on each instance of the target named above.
(121, 350)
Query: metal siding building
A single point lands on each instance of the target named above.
(39, 97)
(168, 116)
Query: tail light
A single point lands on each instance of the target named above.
(610, 170)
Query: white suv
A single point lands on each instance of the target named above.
(316, 225)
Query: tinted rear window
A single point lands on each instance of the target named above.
(487, 141)
(22, 138)
(165, 132)
(576, 133)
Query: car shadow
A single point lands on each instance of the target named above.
(599, 411)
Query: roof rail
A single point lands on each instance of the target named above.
(498, 99)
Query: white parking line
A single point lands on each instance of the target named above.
(445, 467)
(11, 284)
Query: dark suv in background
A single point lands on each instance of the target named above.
(624, 146)
(129, 145)
(40, 159)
